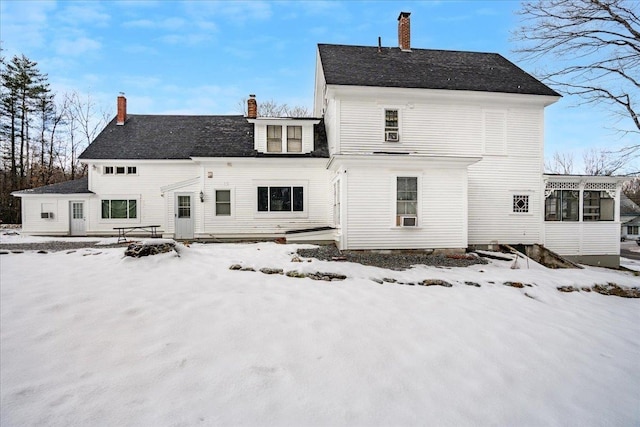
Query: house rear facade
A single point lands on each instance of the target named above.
(408, 149)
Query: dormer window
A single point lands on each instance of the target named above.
(391, 127)
(284, 135)
(294, 139)
(274, 139)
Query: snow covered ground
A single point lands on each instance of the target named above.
(89, 337)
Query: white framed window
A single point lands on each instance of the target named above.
(520, 203)
(562, 205)
(598, 206)
(120, 170)
(633, 229)
(294, 139)
(274, 139)
(280, 199)
(223, 202)
(406, 201)
(119, 209)
(391, 125)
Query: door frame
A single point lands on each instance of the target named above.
(82, 232)
(191, 229)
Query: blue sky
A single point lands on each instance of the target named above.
(202, 57)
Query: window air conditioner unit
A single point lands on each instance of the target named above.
(46, 215)
(392, 136)
(408, 221)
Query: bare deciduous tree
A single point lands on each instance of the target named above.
(83, 122)
(601, 162)
(592, 50)
(271, 108)
(561, 163)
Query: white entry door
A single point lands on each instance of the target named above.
(184, 216)
(77, 219)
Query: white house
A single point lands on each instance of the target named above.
(408, 149)
(629, 218)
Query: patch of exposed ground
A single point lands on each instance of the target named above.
(393, 260)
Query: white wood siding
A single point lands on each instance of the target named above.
(583, 238)
(509, 137)
(496, 178)
(32, 206)
(435, 129)
(240, 176)
(243, 179)
(371, 202)
(260, 133)
(331, 125)
(143, 187)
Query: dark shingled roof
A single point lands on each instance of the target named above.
(149, 137)
(426, 69)
(77, 186)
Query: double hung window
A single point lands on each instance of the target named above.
(274, 139)
(294, 139)
(391, 125)
(406, 200)
(223, 202)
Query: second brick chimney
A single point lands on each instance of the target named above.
(122, 110)
(404, 31)
(252, 107)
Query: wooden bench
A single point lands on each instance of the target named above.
(123, 231)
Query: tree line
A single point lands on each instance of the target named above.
(41, 133)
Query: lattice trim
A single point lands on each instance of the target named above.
(520, 203)
(563, 185)
(600, 186)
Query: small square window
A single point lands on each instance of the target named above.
(132, 170)
(120, 170)
(520, 203)
(108, 170)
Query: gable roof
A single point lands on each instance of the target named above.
(426, 69)
(158, 137)
(77, 186)
(628, 207)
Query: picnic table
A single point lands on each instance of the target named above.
(123, 231)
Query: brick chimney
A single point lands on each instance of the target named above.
(252, 107)
(404, 31)
(122, 110)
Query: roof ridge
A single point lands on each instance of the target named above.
(412, 49)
